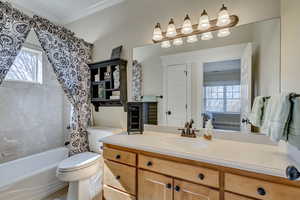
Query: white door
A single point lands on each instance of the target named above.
(176, 95)
(246, 87)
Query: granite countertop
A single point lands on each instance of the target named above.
(259, 158)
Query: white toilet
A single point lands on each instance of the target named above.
(77, 170)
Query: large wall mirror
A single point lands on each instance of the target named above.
(216, 79)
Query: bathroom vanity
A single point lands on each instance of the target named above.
(162, 166)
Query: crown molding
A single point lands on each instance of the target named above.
(101, 5)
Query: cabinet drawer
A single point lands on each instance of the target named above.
(113, 194)
(260, 189)
(230, 196)
(120, 176)
(120, 156)
(187, 172)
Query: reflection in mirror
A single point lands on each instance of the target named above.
(216, 79)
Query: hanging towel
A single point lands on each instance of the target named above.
(256, 114)
(266, 119)
(280, 109)
(293, 135)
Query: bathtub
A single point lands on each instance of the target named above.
(32, 177)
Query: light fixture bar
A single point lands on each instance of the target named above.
(233, 18)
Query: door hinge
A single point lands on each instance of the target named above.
(186, 106)
(186, 72)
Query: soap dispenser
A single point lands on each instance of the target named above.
(208, 130)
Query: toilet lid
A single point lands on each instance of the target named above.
(79, 161)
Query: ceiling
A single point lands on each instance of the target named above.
(63, 11)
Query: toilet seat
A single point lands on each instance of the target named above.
(78, 162)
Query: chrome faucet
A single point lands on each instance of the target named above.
(188, 130)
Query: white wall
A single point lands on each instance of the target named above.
(131, 24)
(290, 59)
(290, 44)
(266, 58)
(32, 117)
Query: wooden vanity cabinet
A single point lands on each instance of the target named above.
(131, 174)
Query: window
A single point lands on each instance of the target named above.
(226, 99)
(27, 66)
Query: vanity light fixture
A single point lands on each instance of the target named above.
(205, 27)
(165, 44)
(187, 26)
(204, 22)
(207, 36)
(157, 33)
(224, 32)
(223, 17)
(192, 39)
(178, 42)
(171, 30)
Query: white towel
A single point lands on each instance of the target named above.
(256, 114)
(280, 110)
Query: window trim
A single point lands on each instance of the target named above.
(40, 63)
(224, 99)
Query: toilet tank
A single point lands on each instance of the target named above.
(97, 133)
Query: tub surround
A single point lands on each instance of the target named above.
(258, 158)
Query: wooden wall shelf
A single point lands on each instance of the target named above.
(104, 88)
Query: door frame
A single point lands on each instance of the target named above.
(189, 90)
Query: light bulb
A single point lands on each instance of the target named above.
(157, 33)
(171, 30)
(204, 22)
(207, 36)
(223, 17)
(166, 44)
(178, 42)
(223, 32)
(192, 39)
(187, 26)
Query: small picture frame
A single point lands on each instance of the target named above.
(116, 52)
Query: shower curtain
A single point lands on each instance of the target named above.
(14, 28)
(68, 55)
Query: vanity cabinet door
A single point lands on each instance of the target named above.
(187, 191)
(154, 186)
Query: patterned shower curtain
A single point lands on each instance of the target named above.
(14, 29)
(69, 57)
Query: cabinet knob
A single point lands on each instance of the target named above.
(177, 188)
(118, 177)
(149, 164)
(292, 173)
(261, 191)
(201, 176)
(118, 156)
(169, 186)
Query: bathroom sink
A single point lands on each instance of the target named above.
(188, 145)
